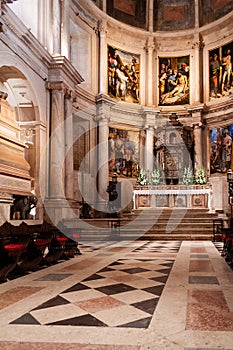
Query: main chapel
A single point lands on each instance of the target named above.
(116, 137)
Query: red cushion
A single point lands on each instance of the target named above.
(62, 239)
(41, 242)
(14, 246)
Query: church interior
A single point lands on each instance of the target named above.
(116, 174)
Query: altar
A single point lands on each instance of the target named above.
(172, 196)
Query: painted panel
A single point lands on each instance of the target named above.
(123, 151)
(221, 80)
(123, 75)
(221, 149)
(174, 80)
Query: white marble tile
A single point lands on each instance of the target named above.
(56, 313)
(133, 296)
(120, 315)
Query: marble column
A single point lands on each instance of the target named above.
(57, 138)
(198, 161)
(150, 64)
(149, 156)
(102, 163)
(69, 158)
(56, 10)
(65, 33)
(103, 57)
(196, 73)
(150, 16)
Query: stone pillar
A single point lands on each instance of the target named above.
(102, 57)
(196, 73)
(151, 16)
(102, 163)
(150, 75)
(65, 33)
(198, 161)
(69, 158)
(56, 10)
(149, 157)
(56, 161)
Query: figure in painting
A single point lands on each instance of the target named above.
(214, 75)
(123, 152)
(226, 71)
(226, 150)
(174, 81)
(180, 85)
(123, 75)
(221, 150)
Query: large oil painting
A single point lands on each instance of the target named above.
(221, 149)
(174, 80)
(123, 152)
(220, 71)
(123, 75)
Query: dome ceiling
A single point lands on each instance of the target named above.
(168, 15)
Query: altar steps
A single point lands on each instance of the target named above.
(185, 224)
(149, 224)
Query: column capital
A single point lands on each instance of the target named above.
(102, 27)
(149, 45)
(102, 118)
(56, 85)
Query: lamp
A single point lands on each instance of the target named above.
(114, 178)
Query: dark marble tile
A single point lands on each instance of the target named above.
(52, 302)
(95, 276)
(135, 270)
(115, 263)
(142, 323)
(115, 288)
(76, 287)
(157, 290)
(203, 280)
(161, 279)
(103, 254)
(147, 305)
(201, 256)
(54, 277)
(25, 319)
(106, 269)
(85, 320)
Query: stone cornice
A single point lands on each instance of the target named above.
(13, 27)
(61, 69)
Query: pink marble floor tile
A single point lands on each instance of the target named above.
(208, 311)
(200, 266)
(60, 346)
(99, 304)
(197, 250)
(16, 294)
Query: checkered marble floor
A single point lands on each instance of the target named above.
(125, 293)
(139, 295)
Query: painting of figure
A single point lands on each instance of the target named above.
(221, 149)
(123, 152)
(123, 75)
(220, 71)
(174, 80)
